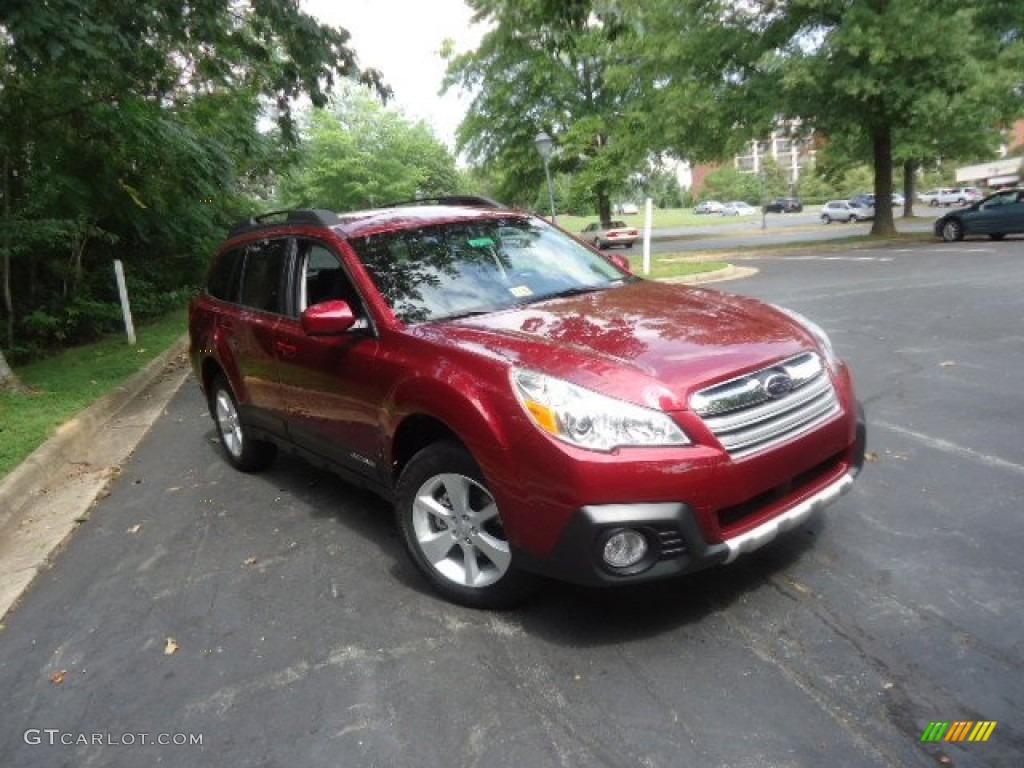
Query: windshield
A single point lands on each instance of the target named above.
(469, 267)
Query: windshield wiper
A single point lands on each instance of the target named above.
(577, 291)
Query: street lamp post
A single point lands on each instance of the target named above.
(544, 146)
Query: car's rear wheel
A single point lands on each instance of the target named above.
(933, 203)
(826, 218)
(952, 231)
(998, 235)
(453, 531)
(242, 450)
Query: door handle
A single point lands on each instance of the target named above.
(286, 349)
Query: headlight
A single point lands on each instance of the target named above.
(815, 330)
(589, 420)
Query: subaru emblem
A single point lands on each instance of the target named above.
(777, 385)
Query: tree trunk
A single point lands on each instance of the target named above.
(910, 185)
(881, 141)
(604, 207)
(9, 382)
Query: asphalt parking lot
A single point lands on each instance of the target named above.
(273, 618)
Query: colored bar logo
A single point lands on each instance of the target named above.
(959, 730)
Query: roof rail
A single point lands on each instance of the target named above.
(471, 201)
(310, 216)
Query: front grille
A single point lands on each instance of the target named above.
(753, 412)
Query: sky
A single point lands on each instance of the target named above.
(402, 38)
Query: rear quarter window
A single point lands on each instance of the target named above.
(222, 279)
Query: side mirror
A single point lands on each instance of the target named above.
(328, 318)
(621, 262)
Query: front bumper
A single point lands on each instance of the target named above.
(676, 541)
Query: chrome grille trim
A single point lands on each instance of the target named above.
(745, 417)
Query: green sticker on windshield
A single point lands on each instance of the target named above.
(481, 242)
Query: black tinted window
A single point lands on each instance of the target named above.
(222, 281)
(264, 274)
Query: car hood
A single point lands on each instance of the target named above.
(643, 341)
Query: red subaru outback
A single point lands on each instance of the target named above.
(529, 406)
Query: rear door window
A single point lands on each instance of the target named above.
(264, 275)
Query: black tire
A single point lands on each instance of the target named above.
(826, 218)
(952, 230)
(452, 530)
(242, 450)
(933, 203)
(998, 235)
(629, 245)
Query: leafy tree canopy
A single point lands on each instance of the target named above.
(139, 126)
(358, 154)
(545, 66)
(877, 79)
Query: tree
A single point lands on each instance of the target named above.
(885, 81)
(138, 123)
(545, 65)
(358, 154)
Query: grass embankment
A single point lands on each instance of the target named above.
(660, 218)
(73, 379)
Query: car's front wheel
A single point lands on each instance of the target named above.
(952, 231)
(997, 235)
(452, 529)
(242, 450)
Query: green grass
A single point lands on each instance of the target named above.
(660, 218)
(667, 265)
(71, 380)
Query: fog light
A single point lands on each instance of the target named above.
(624, 548)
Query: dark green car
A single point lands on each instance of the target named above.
(997, 216)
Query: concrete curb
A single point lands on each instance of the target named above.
(26, 480)
(729, 272)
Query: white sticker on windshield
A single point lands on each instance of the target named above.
(520, 291)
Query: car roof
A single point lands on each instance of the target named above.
(395, 216)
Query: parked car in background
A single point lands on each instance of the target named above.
(527, 407)
(738, 208)
(898, 199)
(845, 210)
(627, 209)
(951, 196)
(617, 233)
(864, 199)
(708, 206)
(784, 205)
(997, 216)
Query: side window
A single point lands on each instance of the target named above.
(322, 278)
(222, 279)
(263, 275)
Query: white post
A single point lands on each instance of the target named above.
(647, 236)
(126, 310)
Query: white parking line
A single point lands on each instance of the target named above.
(835, 258)
(948, 447)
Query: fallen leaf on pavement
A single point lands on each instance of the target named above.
(249, 561)
(58, 677)
(135, 528)
(171, 646)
